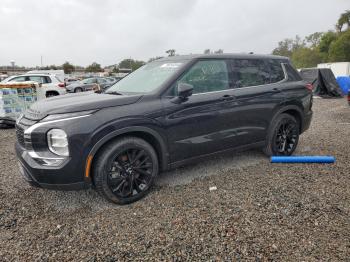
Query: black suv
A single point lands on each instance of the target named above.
(167, 113)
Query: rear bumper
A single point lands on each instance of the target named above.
(306, 122)
(56, 178)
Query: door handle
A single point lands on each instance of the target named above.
(228, 97)
(276, 90)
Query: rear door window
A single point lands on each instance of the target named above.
(207, 76)
(249, 72)
(38, 79)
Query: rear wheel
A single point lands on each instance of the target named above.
(51, 94)
(78, 90)
(283, 136)
(124, 170)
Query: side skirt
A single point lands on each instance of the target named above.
(197, 159)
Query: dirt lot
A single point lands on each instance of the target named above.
(259, 211)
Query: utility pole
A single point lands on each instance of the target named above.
(41, 60)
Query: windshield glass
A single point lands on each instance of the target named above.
(147, 78)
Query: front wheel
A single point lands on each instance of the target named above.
(283, 136)
(124, 171)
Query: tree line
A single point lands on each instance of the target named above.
(319, 47)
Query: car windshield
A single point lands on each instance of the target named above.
(147, 78)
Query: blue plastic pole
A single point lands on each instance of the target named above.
(302, 159)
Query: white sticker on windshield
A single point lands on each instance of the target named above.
(171, 65)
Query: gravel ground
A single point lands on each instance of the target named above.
(260, 211)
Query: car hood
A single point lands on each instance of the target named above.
(81, 102)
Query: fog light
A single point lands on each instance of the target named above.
(58, 142)
(46, 161)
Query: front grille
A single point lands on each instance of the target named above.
(20, 135)
(21, 127)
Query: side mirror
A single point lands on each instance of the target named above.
(184, 90)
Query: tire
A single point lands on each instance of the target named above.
(51, 94)
(124, 171)
(78, 90)
(278, 142)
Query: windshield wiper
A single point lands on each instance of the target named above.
(114, 93)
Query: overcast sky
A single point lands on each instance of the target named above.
(106, 31)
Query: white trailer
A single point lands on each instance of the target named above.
(338, 68)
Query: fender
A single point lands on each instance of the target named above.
(164, 152)
(284, 107)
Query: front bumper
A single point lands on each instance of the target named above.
(63, 177)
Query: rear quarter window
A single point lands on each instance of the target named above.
(276, 71)
(292, 74)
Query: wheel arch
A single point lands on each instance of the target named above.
(145, 133)
(54, 92)
(292, 110)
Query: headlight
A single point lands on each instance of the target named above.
(58, 142)
(68, 115)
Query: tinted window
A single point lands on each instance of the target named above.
(249, 72)
(89, 81)
(18, 79)
(277, 73)
(101, 81)
(48, 79)
(292, 74)
(207, 76)
(38, 79)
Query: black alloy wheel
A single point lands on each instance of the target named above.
(125, 169)
(283, 136)
(130, 173)
(286, 137)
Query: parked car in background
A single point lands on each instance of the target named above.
(113, 79)
(2, 77)
(58, 73)
(69, 81)
(51, 84)
(165, 114)
(89, 84)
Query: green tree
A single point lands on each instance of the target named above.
(314, 39)
(94, 68)
(131, 63)
(154, 58)
(288, 46)
(344, 19)
(207, 51)
(219, 51)
(326, 41)
(306, 57)
(171, 52)
(339, 50)
(68, 68)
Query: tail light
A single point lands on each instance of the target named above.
(61, 85)
(309, 86)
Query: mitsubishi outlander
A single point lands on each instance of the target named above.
(168, 113)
